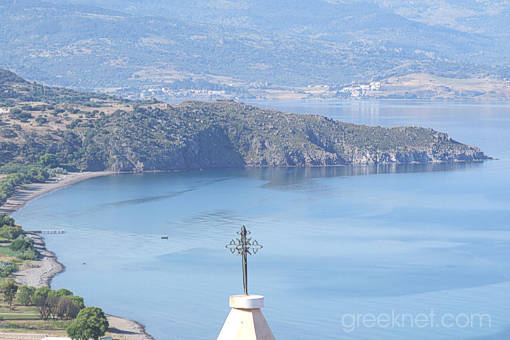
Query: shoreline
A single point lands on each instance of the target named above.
(41, 272)
(33, 190)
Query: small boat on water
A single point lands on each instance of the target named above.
(164, 237)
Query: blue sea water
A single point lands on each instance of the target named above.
(342, 246)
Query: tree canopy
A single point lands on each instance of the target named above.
(25, 295)
(91, 323)
(9, 289)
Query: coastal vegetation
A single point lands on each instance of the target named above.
(11, 258)
(57, 310)
(8, 228)
(31, 308)
(59, 304)
(23, 248)
(7, 268)
(16, 248)
(16, 175)
(19, 245)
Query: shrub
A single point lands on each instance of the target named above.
(48, 160)
(23, 248)
(30, 254)
(6, 220)
(7, 268)
(22, 243)
(10, 232)
(56, 171)
(21, 115)
(8, 133)
(41, 120)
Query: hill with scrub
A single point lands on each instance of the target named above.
(97, 132)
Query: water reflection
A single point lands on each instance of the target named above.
(289, 176)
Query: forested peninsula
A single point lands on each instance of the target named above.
(93, 132)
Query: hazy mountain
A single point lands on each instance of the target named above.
(237, 47)
(480, 16)
(490, 17)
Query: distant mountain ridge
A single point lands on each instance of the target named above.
(243, 49)
(488, 17)
(98, 132)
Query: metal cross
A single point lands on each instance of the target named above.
(243, 246)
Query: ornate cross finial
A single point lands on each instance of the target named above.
(243, 246)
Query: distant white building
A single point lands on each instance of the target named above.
(362, 90)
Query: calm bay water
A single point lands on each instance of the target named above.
(338, 242)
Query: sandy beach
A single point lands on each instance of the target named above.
(31, 191)
(40, 273)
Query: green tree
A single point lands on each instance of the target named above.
(54, 299)
(9, 289)
(10, 232)
(76, 307)
(52, 303)
(40, 300)
(24, 248)
(64, 307)
(91, 323)
(25, 295)
(9, 229)
(68, 308)
(7, 268)
(6, 220)
(64, 292)
(48, 160)
(22, 243)
(78, 301)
